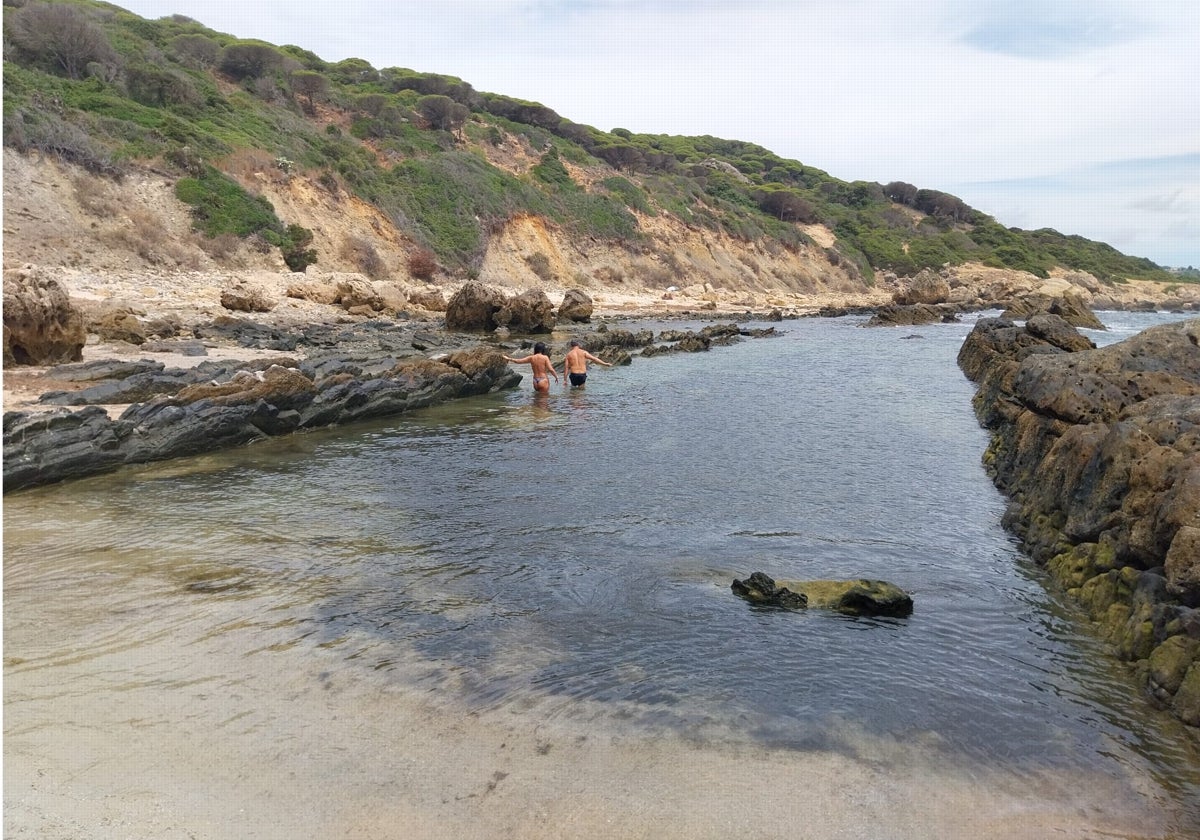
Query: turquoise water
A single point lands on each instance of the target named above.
(569, 558)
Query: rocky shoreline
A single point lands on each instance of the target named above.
(1098, 451)
(113, 412)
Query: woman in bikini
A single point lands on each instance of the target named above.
(539, 360)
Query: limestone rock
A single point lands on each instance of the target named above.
(927, 287)
(1183, 559)
(41, 325)
(358, 293)
(246, 297)
(473, 308)
(529, 312)
(117, 324)
(316, 291)
(576, 306)
(428, 297)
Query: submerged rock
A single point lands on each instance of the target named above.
(850, 597)
(761, 589)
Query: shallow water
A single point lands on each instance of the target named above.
(565, 562)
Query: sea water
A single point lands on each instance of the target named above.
(566, 561)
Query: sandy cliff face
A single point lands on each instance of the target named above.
(59, 216)
(135, 234)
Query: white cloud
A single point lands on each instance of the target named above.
(934, 92)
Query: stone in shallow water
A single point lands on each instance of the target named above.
(851, 597)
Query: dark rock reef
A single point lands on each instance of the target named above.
(849, 597)
(186, 412)
(1098, 451)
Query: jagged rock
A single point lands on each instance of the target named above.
(103, 369)
(576, 306)
(926, 288)
(850, 597)
(529, 312)
(246, 297)
(41, 325)
(473, 308)
(910, 315)
(248, 334)
(430, 298)
(761, 590)
(1070, 307)
(854, 597)
(358, 293)
(315, 291)
(118, 324)
(183, 347)
(262, 400)
(1057, 331)
(1099, 450)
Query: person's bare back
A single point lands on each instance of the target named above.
(543, 369)
(575, 365)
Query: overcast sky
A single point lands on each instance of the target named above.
(1081, 115)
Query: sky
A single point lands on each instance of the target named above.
(1079, 115)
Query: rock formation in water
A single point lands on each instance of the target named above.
(849, 597)
(1099, 453)
(186, 412)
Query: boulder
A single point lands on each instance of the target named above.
(909, 315)
(428, 297)
(529, 312)
(927, 287)
(41, 325)
(473, 308)
(246, 297)
(854, 597)
(315, 291)
(1070, 307)
(355, 292)
(117, 324)
(849, 597)
(576, 306)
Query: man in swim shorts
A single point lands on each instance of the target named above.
(575, 366)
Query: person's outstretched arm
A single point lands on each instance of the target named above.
(597, 359)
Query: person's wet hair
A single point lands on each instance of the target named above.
(541, 348)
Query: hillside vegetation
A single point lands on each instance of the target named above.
(441, 171)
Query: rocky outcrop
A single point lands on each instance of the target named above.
(576, 306)
(473, 308)
(849, 597)
(1099, 452)
(41, 325)
(908, 315)
(926, 288)
(240, 405)
(1070, 307)
(246, 297)
(528, 312)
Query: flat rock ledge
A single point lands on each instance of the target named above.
(343, 374)
(1098, 451)
(191, 411)
(849, 597)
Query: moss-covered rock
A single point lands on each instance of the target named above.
(1169, 663)
(1186, 704)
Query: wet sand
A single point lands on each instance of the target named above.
(245, 732)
